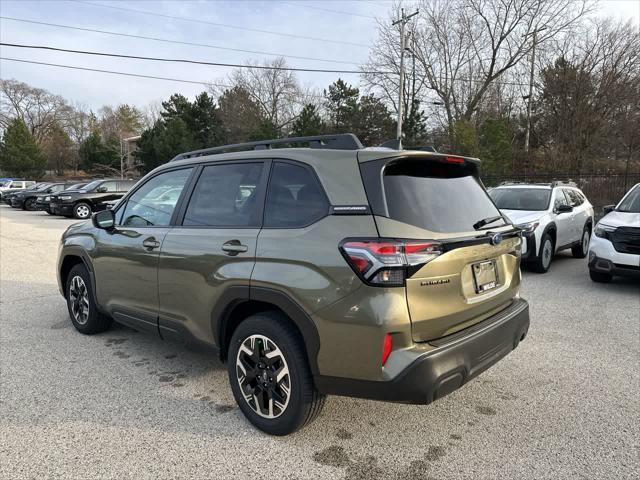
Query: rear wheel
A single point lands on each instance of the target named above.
(29, 204)
(269, 375)
(580, 251)
(543, 261)
(82, 308)
(82, 210)
(600, 277)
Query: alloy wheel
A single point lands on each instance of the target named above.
(585, 241)
(83, 211)
(263, 376)
(79, 300)
(547, 250)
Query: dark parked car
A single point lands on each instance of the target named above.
(43, 201)
(81, 203)
(10, 195)
(26, 199)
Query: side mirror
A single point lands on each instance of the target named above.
(564, 208)
(608, 209)
(104, 219)
(101, 189)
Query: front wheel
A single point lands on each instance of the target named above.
(30, 204)
(580, 251)
(542, 263)
(82, 210)
(81, 305)
(270, 376)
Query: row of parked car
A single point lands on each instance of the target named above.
(69, 199)
(558, 216)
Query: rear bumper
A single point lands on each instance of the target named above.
(455, 360)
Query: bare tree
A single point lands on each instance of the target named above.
(276, 91)
(464, 47)
(39, 109)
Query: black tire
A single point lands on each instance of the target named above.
(304, 401)
(29, 204)
(581, 251)
(82, 210)
(94, 321)
(542, 262)
(600, 277)
(48, 210)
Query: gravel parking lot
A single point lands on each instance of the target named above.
(565, 404)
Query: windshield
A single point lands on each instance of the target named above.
(631, 203)
(75, 186)
(41, 186)
(5, 183)
(92, 185)
(437, 198)
(535, 199)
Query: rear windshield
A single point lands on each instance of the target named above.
(437, 197)
(521, 198)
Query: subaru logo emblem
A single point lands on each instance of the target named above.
(496, 239)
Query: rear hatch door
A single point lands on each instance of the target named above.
(430, 197)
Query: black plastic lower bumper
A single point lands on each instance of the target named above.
(530, 238)
(61, 208)
(456, 360)
(603, 265)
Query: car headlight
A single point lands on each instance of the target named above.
(65, 197)
(47, 199)
(528, 227)
(603, 231)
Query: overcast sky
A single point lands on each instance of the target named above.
(350, 25)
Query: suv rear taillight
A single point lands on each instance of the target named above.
(385, 263)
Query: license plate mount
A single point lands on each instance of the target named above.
(485, 275)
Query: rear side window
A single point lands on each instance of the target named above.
(295, 199)
(226, 196)
(436, 197)
(125, 186)
(108, 187)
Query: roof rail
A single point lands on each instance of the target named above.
(568, 183)
(342, 141)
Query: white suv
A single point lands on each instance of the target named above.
(615, 245)
(553, 217)
(13, 185)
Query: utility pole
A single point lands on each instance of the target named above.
(533, 60)
(403, 22)
(530, 96)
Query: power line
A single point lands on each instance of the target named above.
(129, 74)
(321, 9)
(113, 72)
(178, 42)
(183, 60)
(224, 25)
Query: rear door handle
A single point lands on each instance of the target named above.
(234, 247)
(150, 243)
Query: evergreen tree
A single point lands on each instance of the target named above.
(342, 105)
(20, 155)
(308, 123)
(372, 121)
(94, 152)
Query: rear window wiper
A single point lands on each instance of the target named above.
(486, 221)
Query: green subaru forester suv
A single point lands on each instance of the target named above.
(323, 268)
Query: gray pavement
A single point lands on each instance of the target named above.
(122, 404)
